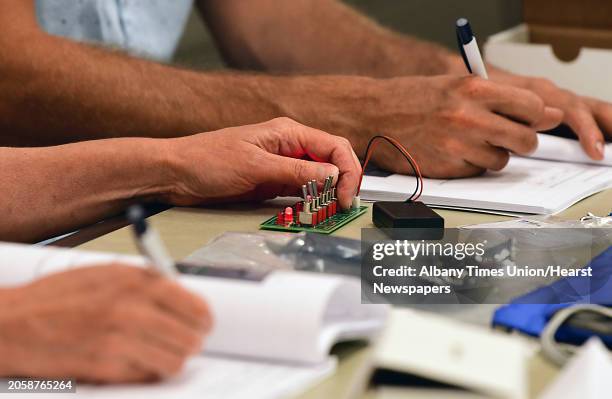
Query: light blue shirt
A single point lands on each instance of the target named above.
(147, 28)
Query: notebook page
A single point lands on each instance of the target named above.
(524, 186)
(346, 318)
(278, 318)
(217, 378)
(20, 264)
(567, 150)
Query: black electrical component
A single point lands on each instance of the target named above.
(422, 221)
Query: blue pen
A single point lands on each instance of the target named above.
(468, 46)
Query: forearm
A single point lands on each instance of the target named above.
(51, 190)
(112, 95)
(56, 91)
(317, 36)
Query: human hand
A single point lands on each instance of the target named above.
(103, 324)
(453, 126)
(259, 162)
(589, 118)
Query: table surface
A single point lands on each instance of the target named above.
(185, 230)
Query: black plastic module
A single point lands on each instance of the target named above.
(405, 215)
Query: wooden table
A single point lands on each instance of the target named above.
(184, 230)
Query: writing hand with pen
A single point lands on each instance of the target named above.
(589, 118)
(456, 125)
(102, 324)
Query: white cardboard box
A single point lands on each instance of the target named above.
(590, 74)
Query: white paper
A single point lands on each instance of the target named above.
(290, 316)
(524, 186)
(20, 264)
(218, 378)
(567, 150)
(585, 376)
(484, 211)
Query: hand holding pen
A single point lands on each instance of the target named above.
(589, 118)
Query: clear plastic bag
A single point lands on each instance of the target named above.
(550, 232)
(281, 251)
(549, 222)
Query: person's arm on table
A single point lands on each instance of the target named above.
(49, 190)
(326, 36)
(100, 324)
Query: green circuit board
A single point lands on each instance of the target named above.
(327, 227)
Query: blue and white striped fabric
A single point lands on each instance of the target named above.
(147, 28)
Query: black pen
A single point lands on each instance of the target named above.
(468, 46)
(149, 243)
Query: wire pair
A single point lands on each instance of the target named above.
(373, 143)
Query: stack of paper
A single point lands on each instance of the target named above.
(526, 185)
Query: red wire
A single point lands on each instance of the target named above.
(418, 168)
(365, 164)
(403, 150)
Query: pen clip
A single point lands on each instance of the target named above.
(462, 51)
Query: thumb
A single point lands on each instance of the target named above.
(296, 172)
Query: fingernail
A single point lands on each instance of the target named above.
(599, 146)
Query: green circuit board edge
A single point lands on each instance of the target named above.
(330, 225)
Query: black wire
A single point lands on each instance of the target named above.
(414, 169)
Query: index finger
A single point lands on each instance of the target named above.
(324, 147)
(180, 303)
(524, 106)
